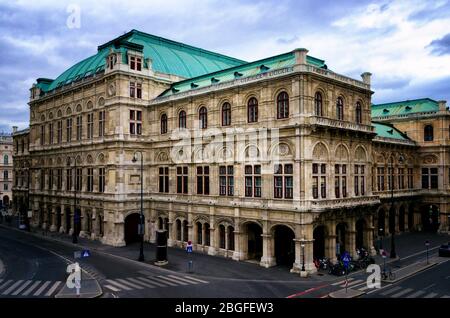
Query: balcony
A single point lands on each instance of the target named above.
(340, 124)
(319, 205)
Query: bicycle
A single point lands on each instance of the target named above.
(385, 275)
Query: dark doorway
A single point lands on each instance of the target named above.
(68, 220)
(391, 220)
(284, 245)
(132, 222)
(381, 226)
(360, 227)
(319, 242)
(254, 233)
(58, 218)
(430, 218)
(341, 230)
(411, 218)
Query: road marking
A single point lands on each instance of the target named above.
(40, 290)
(403, 292)
(184, 279)
(431, 295)
(53, 288)
(12, 287)
(112, 288)
(445, 296)
(151, 281)
(6, 284)
(29, 290)
(196, 279)
(416, 294)
(164, 281)
(28, 282)
(118, 284)
(307, 291)
(141, 283)
(390, 291)
(363, 288)
(132, 285)
(342, 282)
(174, 280)
(358, 281)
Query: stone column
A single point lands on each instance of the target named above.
(267, 259)
(297, 266)
(53, 227)
(212, 249)
(83, 223)
(63, 227)
(330, 242)
(238, 253)
(171, 225)
(72, 221)
(44, 221)
(94, 229)
(351, 234)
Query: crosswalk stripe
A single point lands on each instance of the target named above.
(445, 296)
(403, 292)
(112, 288)
(29, 290)
(363, 288)
(390, 291)
(431, 295)
(163, 281)
(184, 279)
(196, 279)
(353, 283)
(173, 280)
(132, 285)
(151, 281)
(416, 294)
(141, 283)
(6, 284)
(40, 290)
(342, 282)
(118, 284)
(28, 282)
(12, 287)
(53, 288)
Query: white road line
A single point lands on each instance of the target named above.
(40, 290)
(363, 288)
(184, 279)
(358, 281)
(431, 295)
(151, 281)
(163, 281)
(403, 292)
(390, 291)
(118, 284)
(28, 282)
(173, 280)
(6, 284)
(132, 285)
(196, 279)
(29, 290)
(416, 294)
(342, 282)
(53, 288)
(112, 288)
(12, 287)
(445, 296)
(141, 283)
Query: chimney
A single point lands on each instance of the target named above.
(442, 105)
(14, 129)
(300, 56)
(366, 77)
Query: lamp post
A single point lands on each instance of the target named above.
(393, 253)
(141, 218)
(303, 256)
(380, 238)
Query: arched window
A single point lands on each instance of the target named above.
(282, 105)
(340, 108)
(203, 117)
(358, 114)
(252, 110)
(163, 124)
(6, 159)
(318, 104)
(182, 119)
(428, 133)
(226, 114)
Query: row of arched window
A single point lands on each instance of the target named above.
(318, 108)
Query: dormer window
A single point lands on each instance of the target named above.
(385, 111)
(135, 63)
(214, 80)
(193, 85)
(264, 68)
(408, 108)
(112, 60)
(237, 74)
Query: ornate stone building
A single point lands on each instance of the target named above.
(6, 169)
(265, 161)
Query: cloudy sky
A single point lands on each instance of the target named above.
(405, 44)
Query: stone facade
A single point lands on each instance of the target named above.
(6, 169)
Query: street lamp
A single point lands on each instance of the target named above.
(393, 254)
(141, 218)
(303, 256)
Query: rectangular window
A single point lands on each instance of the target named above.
(79, 127)
(90, 179)
(253, 181)
(401, 178)
(380, 178)
(283, 181)
(203, 180)
(164, 179)
(182, 180)
(340, 181)
(50, 179)
(101, 123)
(90, 126)
(78, 179)
(101, 180)
(319, 174)
(359, 180)
(69, 129)
(59, 132)
(288, 181)
(135, 63)
(59, 179)
(135, 90)
(410, 178)
(135, 122)
(69, 179)
(50, 133)
(434, 178)
(425, 178)
(226, 180)
(42, 134)
(391, 178)
(278, 182)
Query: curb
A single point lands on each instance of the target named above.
(409, 274)
(96, 294)
(342, 294)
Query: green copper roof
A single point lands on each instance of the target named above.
(405, 107)
(388, 131)
(241, 71)
(167, 56)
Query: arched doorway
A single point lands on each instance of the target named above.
(68, 220)
(319, 241)
(381, 226)
(185, 231)
(222, 236)
(284, 245)
(360, 229)
(411, 218)
(230, 238)
(178, 225)
(254, 241)
(58, 218)
(341, 230)
(401, 219)
(430, 218)
(132, 222)
(6, 200)
(392, 219)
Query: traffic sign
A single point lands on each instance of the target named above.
(427, 243)
(189, 247)
(85, 253)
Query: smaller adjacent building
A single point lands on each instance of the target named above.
(6, 169)
(20, 185)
